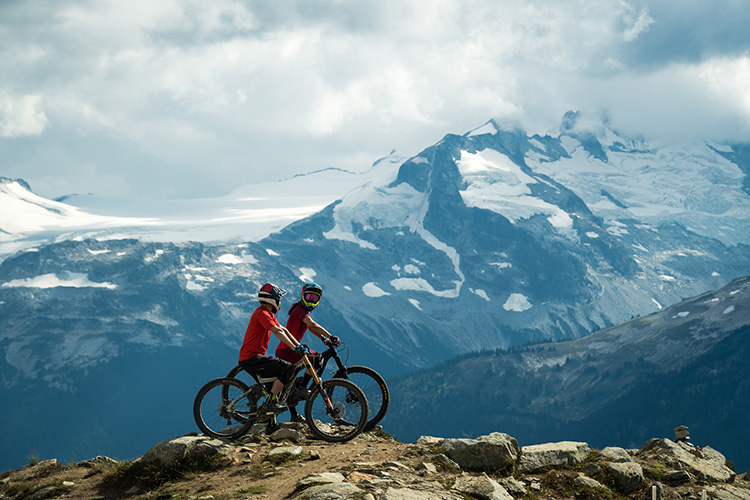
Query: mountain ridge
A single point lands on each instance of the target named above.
(685, 362)
(490, 239)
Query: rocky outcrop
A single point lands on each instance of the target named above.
(491, 453)
(540, 456)
(375, 466)
(628, 476)
(705, 463)
(185, 449)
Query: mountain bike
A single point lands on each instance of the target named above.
(367, 379)
(336, 410)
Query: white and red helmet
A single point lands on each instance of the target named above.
(271, 294)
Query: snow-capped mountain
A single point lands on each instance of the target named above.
(249, 213)
(490, 239)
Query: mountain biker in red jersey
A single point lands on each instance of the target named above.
(298, 323)
(253, 357)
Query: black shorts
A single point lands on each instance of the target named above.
(267, 367)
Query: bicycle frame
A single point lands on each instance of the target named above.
(303, 363)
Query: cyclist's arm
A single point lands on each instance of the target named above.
(284, 336)
(316, 329)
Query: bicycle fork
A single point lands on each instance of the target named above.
(319, 385)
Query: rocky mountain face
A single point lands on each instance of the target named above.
(687, 363)
(374, 466)
(492, 239)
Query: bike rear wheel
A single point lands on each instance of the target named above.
(376, 392)
(224, 408)
(344, 419)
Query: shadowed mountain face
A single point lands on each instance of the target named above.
(686, 365)
(493, 239)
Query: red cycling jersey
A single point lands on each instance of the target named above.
(258, 333)
(297, 328)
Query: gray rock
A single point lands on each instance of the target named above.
(677, 477)
(445, 462)
(614, 454)
(706, 463)
(727, 492)
(628, 476)
(513, 486)
(587, 482)
(98, 460)
(286, 433)
(414, 494)
(428, 441)
(592, 469)
(481, 487)
(540, 456)
(494, 452)
(319, 479)
(284, 453)
(334, 491)
(185, 448)
(427, 468)
(681, 433)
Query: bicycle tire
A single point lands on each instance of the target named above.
(376, 392)
(349, 416)
(222, 408)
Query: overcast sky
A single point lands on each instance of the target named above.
(190, 98)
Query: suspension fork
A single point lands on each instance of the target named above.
(318, 383)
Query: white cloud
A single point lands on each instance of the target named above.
(21, 115)
(185, 98)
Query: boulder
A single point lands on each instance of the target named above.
(481, 487)
(428, 441)
(185, 449)
(587, 482)
(705, 463)
(334, 491)
(320, 479)
(677, 477)
(494, 452)
(285, 433)
(413, 494)
(628, 476)
(727, 492)
(284, 454)
(614, 454)
(540, 456)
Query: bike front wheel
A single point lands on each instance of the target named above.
(224, 408)
(336, 410)
(376, 392)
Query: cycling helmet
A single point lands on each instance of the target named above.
(311, 293)
(271, 294)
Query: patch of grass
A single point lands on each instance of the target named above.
(33, 459)
(149, 475)
(39, 490)
(656, 471)
(284, 458)
(256, 489)
(381, 433)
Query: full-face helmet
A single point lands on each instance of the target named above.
(271, 294)
(311, 293)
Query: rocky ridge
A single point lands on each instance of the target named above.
(289, 464)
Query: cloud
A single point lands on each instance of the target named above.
(186, 98)
(21, 115)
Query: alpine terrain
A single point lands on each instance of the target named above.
(111, 318)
